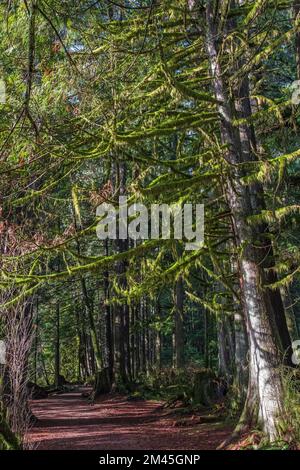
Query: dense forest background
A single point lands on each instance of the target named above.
(165, 102)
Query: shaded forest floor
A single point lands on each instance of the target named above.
(69, 421)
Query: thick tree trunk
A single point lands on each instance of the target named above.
(256, 194)
(264, 361)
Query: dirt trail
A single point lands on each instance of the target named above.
(68, 421)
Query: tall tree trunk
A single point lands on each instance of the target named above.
(265, 380)
(158, 339)
(296, 12)
(108, 321)
(240, 336)
(132, 341)
(226, 357)
(178, 353)
(241, 349)
(148, 336)
(121, 311)
(57, 346)
(127, 347)
(90, 355)
(82, 370)
(206, 317)
(46, 377)
(102, 380)
(143, 337)
(121, 336)
(36, 341)
(256, 193)
(137, 340)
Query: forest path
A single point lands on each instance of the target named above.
(68, 421)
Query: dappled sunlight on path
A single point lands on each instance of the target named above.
(68, 421)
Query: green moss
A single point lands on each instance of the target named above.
(8, 440)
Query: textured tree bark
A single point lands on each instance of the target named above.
(241, 349)
(225, 335)
(178, 353)
(296, 12)
(264, 361)
(240, 338)
(256, 193)
(225, 352)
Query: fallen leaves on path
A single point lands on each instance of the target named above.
(69, 421)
